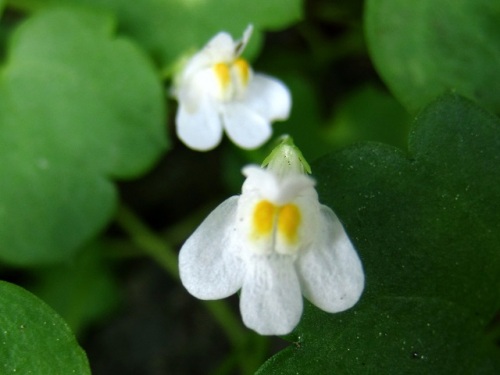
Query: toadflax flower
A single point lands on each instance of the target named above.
(217, 89)
(275, 242)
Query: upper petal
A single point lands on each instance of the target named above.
(330, 272)
(270, 301)
(295, 185)
(267, 184)
(269, 97)
(244, 126)
(209, 265)
(199, 128)
(259, 181)
(219, 49)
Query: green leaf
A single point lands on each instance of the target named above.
(389, 336)
(34, 339)
(77, 106)
(424, 47)
(426, 227)
(4, 27)
(369, 114)
(170, 28)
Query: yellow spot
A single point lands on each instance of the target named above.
(263, 217)
(243, 70)
(289, 221)
(223, 74)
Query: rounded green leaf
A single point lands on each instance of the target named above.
(389, 336)
(77, 106)
(369, 114)
(424, 47)
(427, 229)
(34, 339)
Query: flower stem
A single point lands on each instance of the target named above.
(164, 254)
(147, 241)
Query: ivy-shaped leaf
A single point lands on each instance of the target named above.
(424, 47)
(427, 229)
(34, 339)
(77, 106)
(169, 28)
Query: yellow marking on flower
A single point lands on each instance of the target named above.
(223, 74)
(243, 70)
(268, 217)
(263, 217)
(289, 221)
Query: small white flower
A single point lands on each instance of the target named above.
(275, 242)
(217, 89)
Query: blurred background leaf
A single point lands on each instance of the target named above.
(77, 107)
(170, 28)
(25, 323)
(424, 47)
(427, 230)
(82, 290)
(368, 114)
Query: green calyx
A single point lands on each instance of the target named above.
(286, 157)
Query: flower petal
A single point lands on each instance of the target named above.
(200, 129)
(259, 182)
(330, 271)
(209, 265)
(271, 302)
(244, 126)
(219, 49)
(269, 97)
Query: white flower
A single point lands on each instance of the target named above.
(217, 89)
(275, 242)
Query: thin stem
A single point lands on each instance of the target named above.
(147, 241)
(161, 251)
(260, 347)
